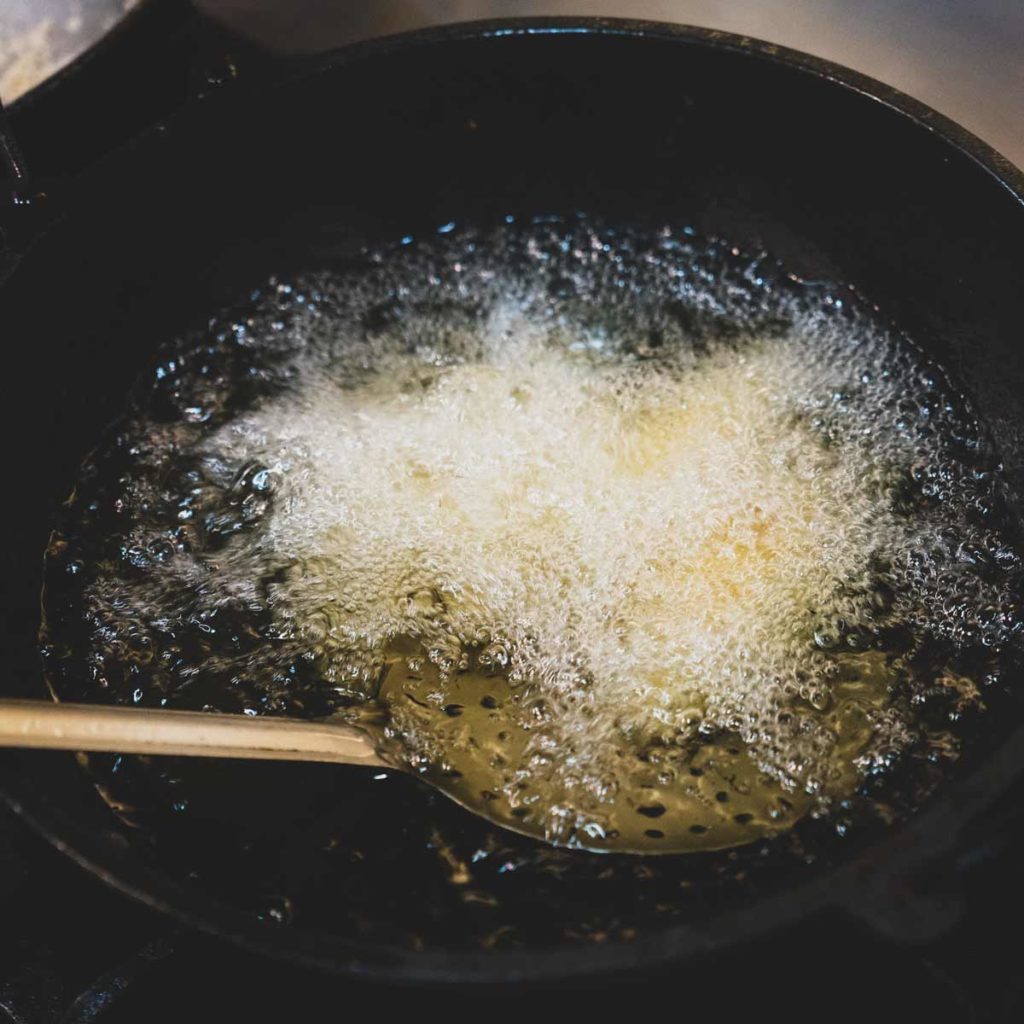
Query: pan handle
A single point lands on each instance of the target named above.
(18, 201)
(166, 56)
(162, 56)
(10, 151)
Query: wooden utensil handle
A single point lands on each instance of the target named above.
(125, 730)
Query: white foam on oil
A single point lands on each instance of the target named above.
(654, 548)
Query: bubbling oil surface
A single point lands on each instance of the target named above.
(639, 542)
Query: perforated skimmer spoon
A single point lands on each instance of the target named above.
(721, 800)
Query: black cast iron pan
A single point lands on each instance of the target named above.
(298, 166)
